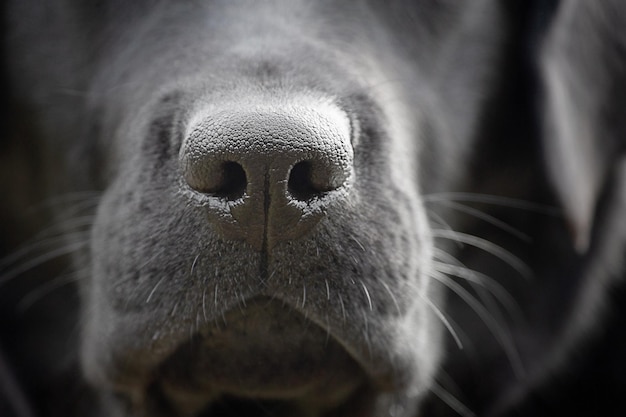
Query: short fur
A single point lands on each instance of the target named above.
(462, 253)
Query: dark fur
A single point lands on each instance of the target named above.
(483, 136)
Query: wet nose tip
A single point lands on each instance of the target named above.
(272, 160)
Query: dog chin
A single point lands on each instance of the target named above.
(264, 359)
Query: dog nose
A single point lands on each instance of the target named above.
(268, 170)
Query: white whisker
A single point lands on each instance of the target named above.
(475, 277)
(443, 224)
(343, 309)
(67, 205)
(358, 243)
(39, 245)
(451, 401)
(392, 296)
(41, 259)
(437, 311)
(154, 289)
(48, 287)
(215, 297)
(493, 200)
(497, 330)
(173, 311)
(488, 247)
(367, 294)
(206, 320)
(479, 214)
(193, 264)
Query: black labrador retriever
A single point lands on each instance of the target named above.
(313, 208)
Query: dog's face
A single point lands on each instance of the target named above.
(262, 236)
(271, 232)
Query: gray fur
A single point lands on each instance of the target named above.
(448, 248)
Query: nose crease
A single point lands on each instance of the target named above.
(270, 169)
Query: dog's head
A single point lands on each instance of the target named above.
(273, 232)
(263, 236)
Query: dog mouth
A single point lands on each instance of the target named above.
(264, 360)
(233, 406)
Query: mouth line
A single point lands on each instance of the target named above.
(228, 406)
(270, 360)
(356, 403)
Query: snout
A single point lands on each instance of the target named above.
(260, 254)
(268, 168)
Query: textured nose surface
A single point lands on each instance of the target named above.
(268, 169)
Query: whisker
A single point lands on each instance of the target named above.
(444, 256)
(493, 200)
(343, 309)
(447, 382)
(367, 294)
(486, 287)
(450, 400)
(475, 277)
(358, 243)
(39, 245)
(48, 287)
(68, 202)
(488, 247)
(443, 224)
(71, 222)
(327, 290)
(393, 297)
(479, 214)
(173, 311)
(206, 320)
(154, 289)
(77, 216)
(488, 300)
(41, 259)
(499, 332)
(437, 311)
(193, 265)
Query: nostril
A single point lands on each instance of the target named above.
(233, 181)
(225, 179)
(301, 184)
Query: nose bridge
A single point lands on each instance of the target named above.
(269, 168)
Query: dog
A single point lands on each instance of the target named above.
(313, 208)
